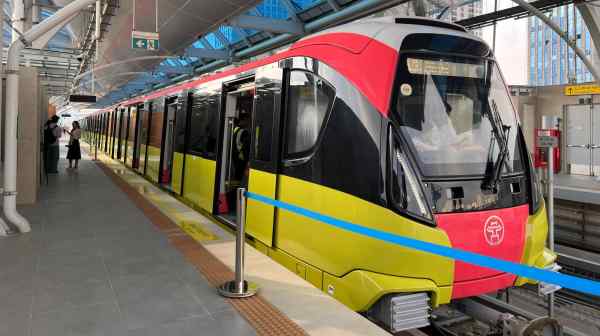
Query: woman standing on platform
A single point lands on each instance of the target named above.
(74, 153)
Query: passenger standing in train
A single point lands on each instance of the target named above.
(52, 134)
(74, 153)
(241, 155)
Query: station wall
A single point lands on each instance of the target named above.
(32, 114)
(533, 103)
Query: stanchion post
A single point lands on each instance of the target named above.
(551, 217)
(239, 287)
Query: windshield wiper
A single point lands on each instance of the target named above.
(500, 132)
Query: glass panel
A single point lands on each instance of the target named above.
(595, 130)
(310, 98)
(204, 120)
(578, 138)
(447, 118)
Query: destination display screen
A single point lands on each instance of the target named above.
(417, 66)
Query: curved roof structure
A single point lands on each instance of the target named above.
(200, 36)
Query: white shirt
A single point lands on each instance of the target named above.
(76, 134)
(57, 131)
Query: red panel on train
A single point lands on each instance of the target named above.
(498, 233)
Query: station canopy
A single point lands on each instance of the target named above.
(198, 36)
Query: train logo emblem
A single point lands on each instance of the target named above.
(493, 230)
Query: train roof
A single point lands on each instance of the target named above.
(349, 48)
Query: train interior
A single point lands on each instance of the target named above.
(235, 153)
(166, 175)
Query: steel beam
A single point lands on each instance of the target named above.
(563, 35)
(591, 17)
(222, 38)
(291, 9)
(346, 14)
(205, 43)
(174, 70)
(334, 5)
(207, 53)
(257, 13)
(512, 12)
(243, 34)
(267, 24)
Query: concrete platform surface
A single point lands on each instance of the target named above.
(577, 188)
(94, 264)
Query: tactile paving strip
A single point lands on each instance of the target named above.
(263, 316)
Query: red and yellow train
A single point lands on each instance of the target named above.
(402, 125)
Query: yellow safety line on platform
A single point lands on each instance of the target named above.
(189, 221)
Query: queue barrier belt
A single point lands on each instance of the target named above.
(546, 276)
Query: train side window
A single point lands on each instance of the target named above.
(264, 103)
(309, 100)
(203, 126)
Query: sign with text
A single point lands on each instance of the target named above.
(581, 90)
(145, 40)
(547, 141)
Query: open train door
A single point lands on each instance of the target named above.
(174, 132)
(264, 154)
(169, 134)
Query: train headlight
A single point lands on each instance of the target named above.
(405, 189)
(413, 193)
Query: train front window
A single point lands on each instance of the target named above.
(445, 108)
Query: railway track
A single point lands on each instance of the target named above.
(577, 313)
(572, 307)
(489, 316)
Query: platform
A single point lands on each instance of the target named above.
(577, 188)
(110, 254)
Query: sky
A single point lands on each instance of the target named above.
(511, 44)
(511, 49)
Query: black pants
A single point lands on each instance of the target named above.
(51, 156)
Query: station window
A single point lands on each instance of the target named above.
(309, 100)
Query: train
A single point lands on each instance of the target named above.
(403, 125)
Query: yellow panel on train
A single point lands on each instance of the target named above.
(199, 181)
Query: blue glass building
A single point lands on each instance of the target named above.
(550, 61)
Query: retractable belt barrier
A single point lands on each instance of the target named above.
(566, 281)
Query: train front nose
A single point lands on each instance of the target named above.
(498, 233)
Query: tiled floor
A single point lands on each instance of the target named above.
(94, 265)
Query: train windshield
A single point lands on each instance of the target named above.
(448, 108)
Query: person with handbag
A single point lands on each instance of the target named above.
(74, 152)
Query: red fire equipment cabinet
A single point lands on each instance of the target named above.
(541, 153)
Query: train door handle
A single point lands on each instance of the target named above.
(578, 146)
(595, 146)
(296, 162)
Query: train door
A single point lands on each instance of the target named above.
(142, 137)
(105, 131)
(265, 152)
(113, 131)
(119, 136)
(235, 146)
(168, 150)
(200, 131)
(108, 128)
(132, 157)
(125, 134)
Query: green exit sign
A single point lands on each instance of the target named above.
(145, 40)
